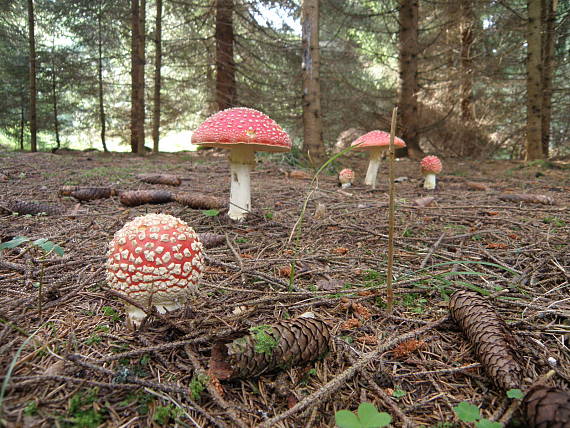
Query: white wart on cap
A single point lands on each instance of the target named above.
(375, 142)
(243, 131)
(156, 260)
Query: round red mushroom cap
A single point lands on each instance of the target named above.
(430, 165)
(156, 259)
(346, 175)
(242, 126)
(376, 139)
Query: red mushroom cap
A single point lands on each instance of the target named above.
(430, 165)
(376, 139)
(156, 258)
(346, 175)
(240, 125)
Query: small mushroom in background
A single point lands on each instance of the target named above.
(243, 131)
(345, 177)
(376, 142)
(155, 260)
(430, 165)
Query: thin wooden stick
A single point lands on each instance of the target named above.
(391, 220)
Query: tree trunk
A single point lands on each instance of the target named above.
(100, 76)
(549, 20)
(33, 89)
(22, 123)
(54, 99)
(137, 76)
(226, 93)
(534, 73)
(157, 77)
(408, 103)
(467, 38)
(313, 145)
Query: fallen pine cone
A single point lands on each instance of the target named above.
(199, 201)
(87, 193)
(269, 347)
(168, 179)
(132, 198)
(490, 336)
(32, 208)
(546, 407)
(524, 197)
(211, 240)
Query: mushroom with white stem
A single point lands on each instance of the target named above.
(243, 131)
(375, 142)
(345, 177)
(155, 260)
(430, 165)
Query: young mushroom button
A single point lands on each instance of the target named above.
(375, 142)
(430, 166)
(345, 177)
(243, 131)
(155, 260)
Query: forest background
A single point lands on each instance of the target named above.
(471, 78)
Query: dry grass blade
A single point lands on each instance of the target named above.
(547, 407)
(489, 334)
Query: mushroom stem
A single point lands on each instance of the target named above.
(429, 182)
(373, 165)
(242, 160)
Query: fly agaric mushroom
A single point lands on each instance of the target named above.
(376, 142)
(156, 260)
(345, 177)
(243, 131)
(430, 165)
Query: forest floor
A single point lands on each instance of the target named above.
(73, 362)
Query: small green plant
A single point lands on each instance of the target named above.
(468, 412)
(264, 343)
(197, 386)
(31, 408)
(367, 417)
(163, 414)
(414, 302)
(398, 393)
(554, 221)
(515, 393)
(241, 240)
(81, 412)
(211, 213)
(93, 339)
(268, 215)
(111, 313)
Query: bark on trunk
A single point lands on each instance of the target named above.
(408, 103)
(33, 89)
(534, 72)
(467, 38)
(137, 75)
(313, 145)
(157, 77)
(54, 99)
(100, 76)
(549, 19)
(22, 123)
(226, 93)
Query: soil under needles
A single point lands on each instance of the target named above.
(74, 363)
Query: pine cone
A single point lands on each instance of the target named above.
(490, 336)
(547, 407)
(211, 240)
(92, 193)
(199, 202)
(33, 208)
(267, 348)
(132, 198)
(168, 179)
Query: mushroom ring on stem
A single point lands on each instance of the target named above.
(375, 142)
(155, 260)
(430, 165)
(243, 131)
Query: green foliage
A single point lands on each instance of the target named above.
(42, 243)
(415, 302)
(93, 339)
(164, 414)
(211, 213)
(468, 412)
(554, 221)
(111, 313)
(367, 417)
(81, 412)
(31, 408)
(398, 393)
(515, 393)
(197, 386)
(264, 343)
